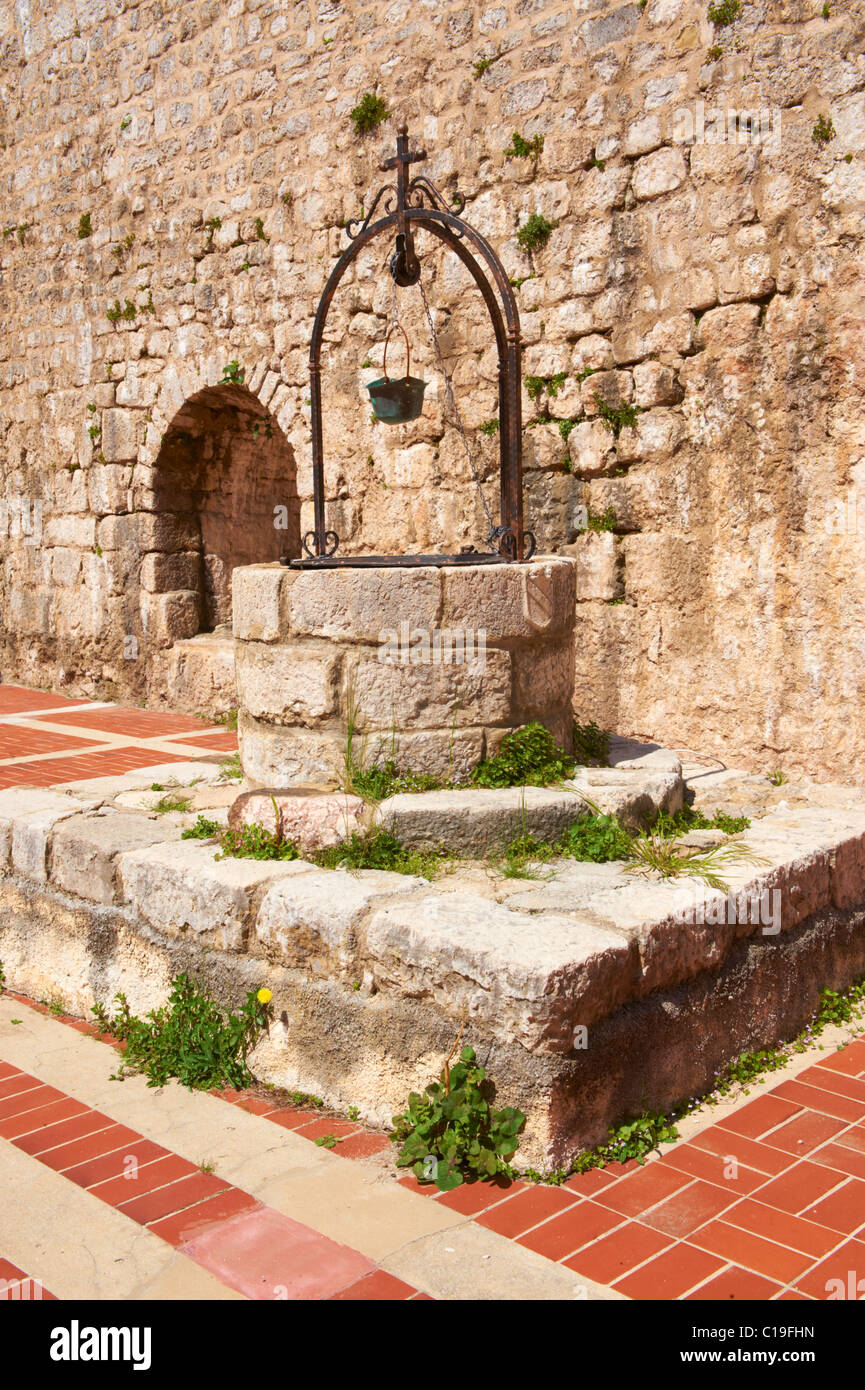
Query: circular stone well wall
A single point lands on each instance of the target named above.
(429, 666)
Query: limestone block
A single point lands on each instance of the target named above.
(180, 888)
(511, 601)
(591, 447)
(476, 821)
(543, 679)
(170, 617)
(312, 820)
(119, 442)
(634, 796)
(84, 850)
(311, 921)
(614, 388)
(160, 573)
(649, 757)
(598, 566)
(525, 978)
(656, 385)
(658, 173)
(293, 684)
(430, 695)
(27, 826)
(255, 595)
(283, 757)
(361, 604)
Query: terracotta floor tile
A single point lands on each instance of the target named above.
(843, 1210)
(782, 1227)
(321, 1127)
(846, 1264)
(362, 1145)
(611, 1257)
(748, 1152)
(378, 1286)
(751, 1252)
(163, 1201)
(714, 1168)
(571, 1230)
(671, 1275)
(738, 1285)
(586, 1184)
(268, 1256)
(841, 1158)
(20, 699)
(853, 1138)
(63, 1133)
(638, 1191)
(799, 1186)
(473, 1197)
(91, 1146)
(290, 1119)
(115, 1163)
(138, 1180)
(758, 1116)
(804, 1132)
(14, 1085)
(835, 1081)
(183, 1226)
(688, 1209)
(526, 1209)
(31, 1099)
(849, 1059)
(823, 1101)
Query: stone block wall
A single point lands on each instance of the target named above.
(428, 667)
(173, 183)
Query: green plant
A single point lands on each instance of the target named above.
(591, 744)
(206, 1165)
(567, 426)
(260, 233)
(254, 842)
(688, 819)
(377, 782)
(287, 198)
(126, 123)
(617, 417)
(114, 312)
(84, 227)
(369, 113)
(380, 849)
(777, 778)
(634, 1139)
(230, 769)
(724, 13)
(652, 853)
(714, 53)
(599, 839)
(203, 829)
(489, 427)
(823, 131)
(173, 801)
(451, 1134)
(2, 977)
(527, 757)
(601, 521)
(521, 148)
(353, 1113)
(327, 1141)
(826, 12)
(94, 431)
(481, 66)
(535, 232)
(212, 225)
(227, 718)
(190, 1037)
(303, 1098)
(232, 374)
(535, 385)
(54, 1005)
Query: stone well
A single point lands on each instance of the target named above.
(431, 666)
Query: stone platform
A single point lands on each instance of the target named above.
(588, 992)
(429, 666)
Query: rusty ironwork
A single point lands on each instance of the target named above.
(408, 204)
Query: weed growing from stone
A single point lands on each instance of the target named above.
(724, 13)
(591, 745)
(190, 1037)
(535, 232)
(489, 428)
(255, 842)
(617, 417)
(84, 227)
(527, 757)
(777, 778)
(661, 857)
(688, 819)
(369, 113)
(128, 312)
(601, 521)
(230, 769)
(380, 849)
(173, 801)
(203, 829)
(451, 1134)
(232, 374)
(823, 131)
(378, 783)
(2, 977)
(521, 148)
(535, 385)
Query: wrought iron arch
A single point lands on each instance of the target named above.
(406, 206)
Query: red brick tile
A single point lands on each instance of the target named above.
(641, 1190)
(6, 1068)
(20, 699)
(842, 1159)
(754, 1119)
(114, 1164)
(611, 1257)
(526, 1209)
(104, 1141)
(843, 1210)
(834, 1081)
(751, 1251)
(42, 1129)
(254, 1104)
(586, 1184)
(378, 1286)
(144, 1178)
(473, 1197)
(846, 1264)
(791, 1296)
(850, 1059)
(688, 1209)
(823, 1101)
(10, 1271)
(424, 1189)
(571, 1230)
(713, 1168)
(748, 1152)
(29, 1100)
(853, 1138)
(738, 1285)
(804, 1132)
(671, 1275)
(363, 1145)
(782, 1227)
(800, 1186)
(319, 1128)
(163, 1201)
(186, 1225)
(14, 1085)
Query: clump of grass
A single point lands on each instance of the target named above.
(823, 131)
(665, 858)
(376, 783)
(591, 744)
(203, 829)
(535, 232)
(617, 417)
(724, 13)
(521, 148)
(380, 849)
(84, 227)
(230, 769)
(527, 757)
(173, 801)
(369, 113)
(255, 842)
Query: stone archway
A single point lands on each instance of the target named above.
(224, 495)
(227, 473)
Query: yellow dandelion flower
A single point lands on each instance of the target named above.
(264, 996)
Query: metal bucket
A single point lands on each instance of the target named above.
(395, 402)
